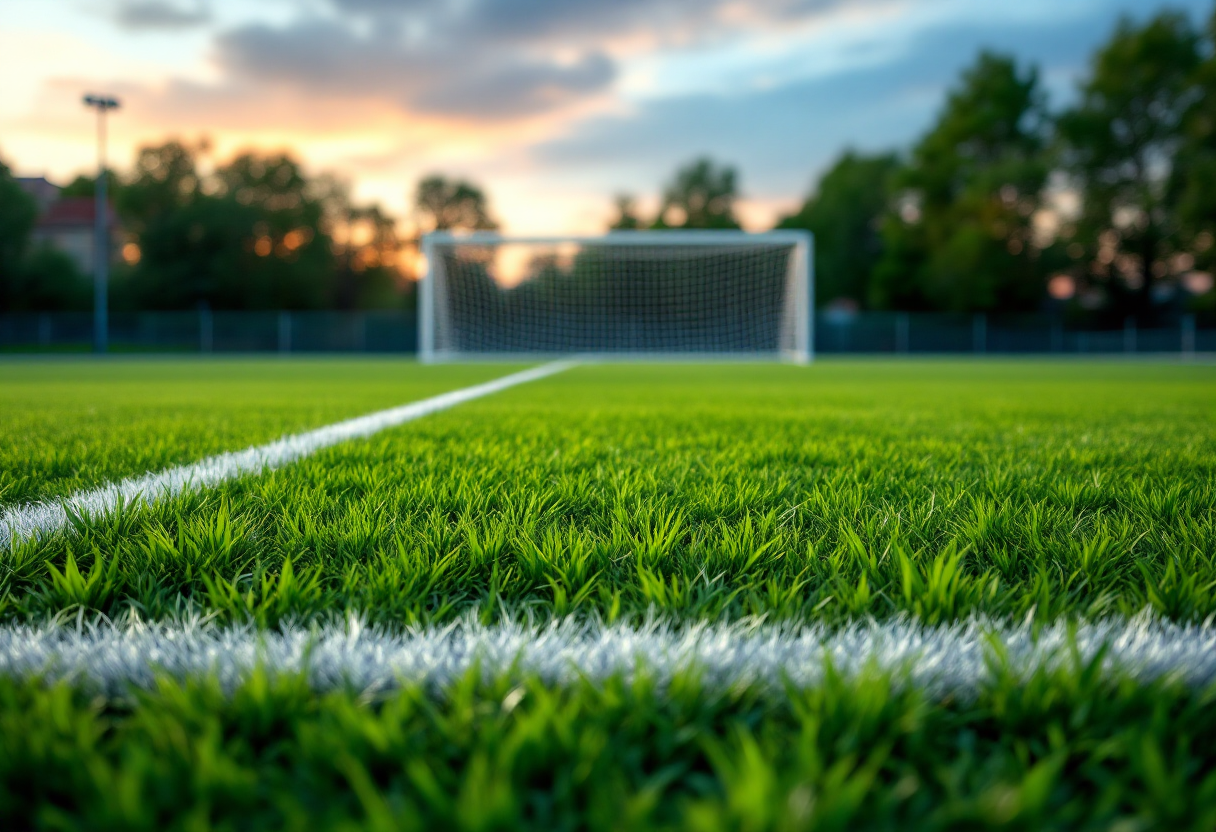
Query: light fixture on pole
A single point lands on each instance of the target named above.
(101, 231)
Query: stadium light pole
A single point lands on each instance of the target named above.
(101, 236)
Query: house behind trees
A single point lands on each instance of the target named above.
(66, 223)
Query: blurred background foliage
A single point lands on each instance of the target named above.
(1103, 208)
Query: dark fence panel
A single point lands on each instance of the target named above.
(396, 332)
(903, 332)
(206, 331)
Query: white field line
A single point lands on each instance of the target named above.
(35, 519)
(955, 659)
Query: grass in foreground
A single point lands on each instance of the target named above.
(72, 424)
(938, 489)
(705, 493)
(1066, 750)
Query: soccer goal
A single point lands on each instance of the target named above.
(628, 294)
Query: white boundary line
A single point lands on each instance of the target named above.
(37, 519)
(949, 660)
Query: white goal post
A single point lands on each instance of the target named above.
(624, 295)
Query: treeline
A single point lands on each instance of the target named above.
(254, 233)
(1106, 207)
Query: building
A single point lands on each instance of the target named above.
(66, 223)
(43, 192)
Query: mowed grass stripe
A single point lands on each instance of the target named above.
(48, 517)
(941, 490)
(71, 424)
(945, 661)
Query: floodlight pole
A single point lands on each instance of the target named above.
(101, 231)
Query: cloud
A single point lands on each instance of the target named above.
(160, 14)
(777, 138)
(483, 59)
(329, 58)
(522, 87)
(531, 20)
(537, 20)
(596, 22)
(780, 137)
(552, 104)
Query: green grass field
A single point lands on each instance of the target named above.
(928, 491)
(72, 424)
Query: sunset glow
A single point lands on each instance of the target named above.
(553, 107)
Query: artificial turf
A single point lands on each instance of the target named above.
(935, 490)
(1065, 750)
(932, 489)
(69, 424)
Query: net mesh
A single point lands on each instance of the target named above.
(609, 297)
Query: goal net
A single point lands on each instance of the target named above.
(626, 294)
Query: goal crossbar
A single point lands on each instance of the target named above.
(659, 295)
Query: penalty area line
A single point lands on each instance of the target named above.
(43, 518)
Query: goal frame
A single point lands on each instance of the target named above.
(801, 279)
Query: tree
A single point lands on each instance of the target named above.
(1121, 140)
(249, 237)
(48, 281)
(86, 186)
(701, 195)
(844, 214)
(626, 214)
(452, 204)
(32, 278)
(366, 249)
(165, 180)
(368, 265)
(18, 213)
(1192, 185)
(959, 235)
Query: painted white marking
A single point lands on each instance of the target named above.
(36, 519)
(956, 659)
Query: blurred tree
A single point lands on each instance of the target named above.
(247, 237)
(959, 235)
(1121, 140)
(370, 265)
(294, 265)
(450, 204)
(18, 212)
(48, 281)
(1192, 186)
(257, 233)
(701, 195)
(626, 214)
(844, 214)
(367, 250)
(273, 182)
(165, 180)
(86, 186)
(32, 278)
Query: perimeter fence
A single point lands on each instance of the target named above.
(927, 332)
(206, 331)
(396, 332)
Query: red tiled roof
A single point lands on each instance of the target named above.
(73, 211)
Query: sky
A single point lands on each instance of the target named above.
(553, 106)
